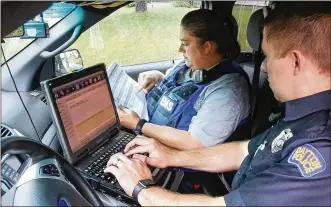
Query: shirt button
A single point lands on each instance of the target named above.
(250, 168)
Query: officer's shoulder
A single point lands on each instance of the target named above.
(310, 159)
(310, 155)
(315, 136)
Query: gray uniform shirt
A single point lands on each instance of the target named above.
(220, 108)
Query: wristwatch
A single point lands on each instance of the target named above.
(139, 127)
(142, 184)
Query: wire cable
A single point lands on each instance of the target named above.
(11, 75)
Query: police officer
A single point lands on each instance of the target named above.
(205, 97)
(290, 163)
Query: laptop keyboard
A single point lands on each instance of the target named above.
(97, 167)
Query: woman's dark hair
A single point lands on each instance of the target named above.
(209, 25)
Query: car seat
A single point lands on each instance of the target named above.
(265, 99)
(205, 182)
(260, 113)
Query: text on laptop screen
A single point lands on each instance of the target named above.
(85, 108)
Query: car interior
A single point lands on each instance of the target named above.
(26, 115)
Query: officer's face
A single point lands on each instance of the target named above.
(279, 72)
(191, 49)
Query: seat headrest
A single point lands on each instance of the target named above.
(254, 29)
(231, 44)
(234, 25)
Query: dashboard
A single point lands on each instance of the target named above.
(15, 122)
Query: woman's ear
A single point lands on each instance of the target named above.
(207, 47)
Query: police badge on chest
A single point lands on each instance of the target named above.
(278, 142)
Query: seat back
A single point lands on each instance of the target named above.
(249, 69)
(245, 132)
(264, 98)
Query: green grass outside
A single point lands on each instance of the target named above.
(131, 38)
(242, 17)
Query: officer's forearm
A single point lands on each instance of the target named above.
(156, 196)
(175, 138)
(220, 158)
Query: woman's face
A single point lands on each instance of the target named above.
(190, 47)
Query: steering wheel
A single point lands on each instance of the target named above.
(48, 178)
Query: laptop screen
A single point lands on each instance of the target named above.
(85, 109)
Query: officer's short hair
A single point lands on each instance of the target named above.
(305, 26)
(209, 25)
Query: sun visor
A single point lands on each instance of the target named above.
(254, 29)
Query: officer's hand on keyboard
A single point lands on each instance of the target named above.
(158, 154)
(97, 167)
(128, 172)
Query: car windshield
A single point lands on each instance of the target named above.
(55, 13)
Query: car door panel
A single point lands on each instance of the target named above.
(162, 66)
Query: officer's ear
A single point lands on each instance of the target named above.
(299, 62)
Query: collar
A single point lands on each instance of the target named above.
(215, 64)
(301, 107)
(207, 69)
(191, 70)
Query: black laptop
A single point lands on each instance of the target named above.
(84, 112)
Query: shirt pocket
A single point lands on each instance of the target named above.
(262, 161)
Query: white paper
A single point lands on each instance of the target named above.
(125, 89)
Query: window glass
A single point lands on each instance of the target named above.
(131, 37)
(52, 15)
(242, 11)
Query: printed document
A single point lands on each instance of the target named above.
(125, 89)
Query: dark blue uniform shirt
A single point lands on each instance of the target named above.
(290, 163)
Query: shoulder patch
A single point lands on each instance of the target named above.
(308, 159)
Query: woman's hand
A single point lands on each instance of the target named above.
(128, 118)
(149, 79)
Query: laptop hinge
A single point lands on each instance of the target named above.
(112, 133)
(83, 153)
(99, 146)
(115, 131)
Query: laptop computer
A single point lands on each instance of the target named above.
(83, 109)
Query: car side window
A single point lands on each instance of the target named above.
(242, 11)
(132, 37)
